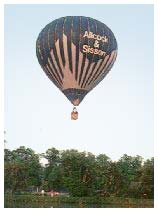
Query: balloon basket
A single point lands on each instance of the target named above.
(74, 114)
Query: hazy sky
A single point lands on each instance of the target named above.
(115, 118)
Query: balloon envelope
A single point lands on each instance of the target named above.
(76, 53)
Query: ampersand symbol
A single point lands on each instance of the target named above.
(96, 44)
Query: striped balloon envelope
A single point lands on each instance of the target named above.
(76, 53)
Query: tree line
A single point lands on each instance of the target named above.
(78, 173)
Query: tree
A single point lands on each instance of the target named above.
(52, 173)
(52, 155)
(147, 178)
(103, 177)
(15, 175)
(8, 155)
(78, 174)
(22, 168)
(128, 167)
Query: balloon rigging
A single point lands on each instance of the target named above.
(76, 53)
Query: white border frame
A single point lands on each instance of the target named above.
(153, 2)
(79, 1)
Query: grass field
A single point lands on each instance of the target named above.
(32, 201)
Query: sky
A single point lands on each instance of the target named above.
(115, 118)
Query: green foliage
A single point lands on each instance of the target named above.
(103, 175)
(78, 172)
(52, 155)
(128, 168)
(22, 169)
(15, 175)
(81, 174)
(147, 178)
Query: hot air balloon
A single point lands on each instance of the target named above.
(76, 53)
